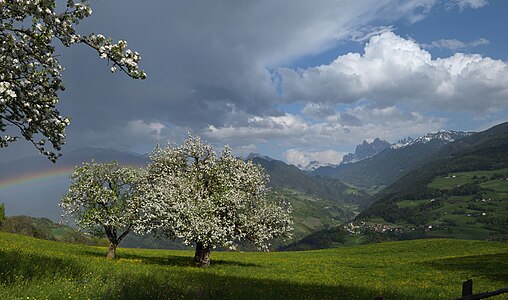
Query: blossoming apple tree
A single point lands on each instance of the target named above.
(30, 74)
(103, 198)
(209, 200)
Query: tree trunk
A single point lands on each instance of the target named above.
(202, 255)
(112, 251)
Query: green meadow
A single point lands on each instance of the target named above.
(420, 269)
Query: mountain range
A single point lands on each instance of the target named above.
(460, 191)
(366, 150)
(34, 186)
(437, 180)
(393, 161)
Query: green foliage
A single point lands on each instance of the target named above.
(24, 225)
(422, 269)
(287, 176)
(44, 228)
(2, 213)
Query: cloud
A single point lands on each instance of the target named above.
(303, 158)
(318, 110)
(209, 62)
(454, 44)
(463, 4)
(140, 127)
(293, 131)
(397, 71)
(211, 71)
(365, 33)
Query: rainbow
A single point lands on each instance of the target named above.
(35, 176)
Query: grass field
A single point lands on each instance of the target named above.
(461, 216)
(420, 269)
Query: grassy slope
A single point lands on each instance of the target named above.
(287, 176)
(311, 213)
(422, 269)
(462, 216)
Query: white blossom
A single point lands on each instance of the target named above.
(103, 198)
(201, 198)
(30, 74)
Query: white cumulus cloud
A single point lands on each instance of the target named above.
(393, 70)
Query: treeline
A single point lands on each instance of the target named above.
(44, 228)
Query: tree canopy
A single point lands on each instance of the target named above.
(30, 74)
(103, 198)
(209, 200)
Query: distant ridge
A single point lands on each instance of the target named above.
(366, 150)
(283, 175)
(443, 135)
(391, 163)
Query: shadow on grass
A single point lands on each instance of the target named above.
(181, 261)
(202, 285)
(168, 260)
(183, 283)
(14, 266)
(492, 266)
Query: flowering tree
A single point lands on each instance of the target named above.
(30, 74)
(103, 198)
(206, 200)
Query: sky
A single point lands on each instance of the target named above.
(295, 80)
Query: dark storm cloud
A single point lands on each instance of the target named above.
(208, 62)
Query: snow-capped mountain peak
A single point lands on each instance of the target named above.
(442, 135)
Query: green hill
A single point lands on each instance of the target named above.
(422, 269)
(462, 193)
(464, 205)
(283, 175)
(311, 213)
(486, 150)
(44, 228)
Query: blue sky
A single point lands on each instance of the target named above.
(293, 79)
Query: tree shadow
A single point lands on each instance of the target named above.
(182, 261)
(492, 266)
(166, 260)
(212, 286)
(14, 266)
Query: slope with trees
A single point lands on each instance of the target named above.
(460, 193)
(283, 175)
(420, 197)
